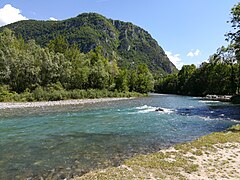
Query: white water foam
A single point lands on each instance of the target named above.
(143, 107)
(147, 109)
(208, 101)
(220, 118)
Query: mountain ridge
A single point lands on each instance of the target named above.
(124, 41)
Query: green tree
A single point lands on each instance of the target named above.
(133, 78)
(234, 38)
(58, 45)
(4, 69)
(167, 84)
(49, 69)
(122, 81)
(183, 78)
(113, 71)
(145, 81)
(98, 77)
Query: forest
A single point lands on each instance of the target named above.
(60, 71)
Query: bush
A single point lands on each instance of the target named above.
(5, 94)
(39, 94)
(55, 92)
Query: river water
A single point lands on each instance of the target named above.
(63, 141)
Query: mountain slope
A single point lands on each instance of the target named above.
(129, 44)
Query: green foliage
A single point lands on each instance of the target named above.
(133, 79)
(209, 78)
(167, 84)
(234, 39)
(184, 76)
(128, 44)
(59, 44)
(145, 81)
(32, 73)
(5, 95)
(122, 81)
(234, 36)
(99, 75)
(51, 94)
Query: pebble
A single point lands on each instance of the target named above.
(14, 105)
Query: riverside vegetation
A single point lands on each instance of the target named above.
(60, 71)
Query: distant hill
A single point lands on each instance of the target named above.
(127, 43)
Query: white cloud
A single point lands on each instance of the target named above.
(52, 19)
(9, 14)
(175, 59)
(197, 52)
(193, 53)
(190, 54)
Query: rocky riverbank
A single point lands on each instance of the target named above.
(12, 105)
(224, 98)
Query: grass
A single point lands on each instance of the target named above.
(173, 163)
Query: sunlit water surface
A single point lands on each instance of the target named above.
(63, 141)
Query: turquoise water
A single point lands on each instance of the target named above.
(63, 141)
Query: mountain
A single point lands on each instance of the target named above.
(128, 43)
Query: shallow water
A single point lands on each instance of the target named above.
(63, 141)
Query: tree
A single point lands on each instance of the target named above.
(167, 84)
(98, 77)
(145, 81)
(4, 69)
(234, 37)
(58, 45)
(183, 78)
(122, 81)
(133, 78)
(49, 71)
(227, 54)
(113, 71)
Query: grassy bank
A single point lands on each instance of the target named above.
(56, 94)
(215, 156)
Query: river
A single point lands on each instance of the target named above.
(64, 141)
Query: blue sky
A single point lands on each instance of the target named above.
(188, 30)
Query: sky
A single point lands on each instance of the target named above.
(188, 30)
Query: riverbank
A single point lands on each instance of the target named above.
(223, 98)
(12, 105)
(56, 94)
(215, 156)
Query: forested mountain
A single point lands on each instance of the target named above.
(124, 42)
